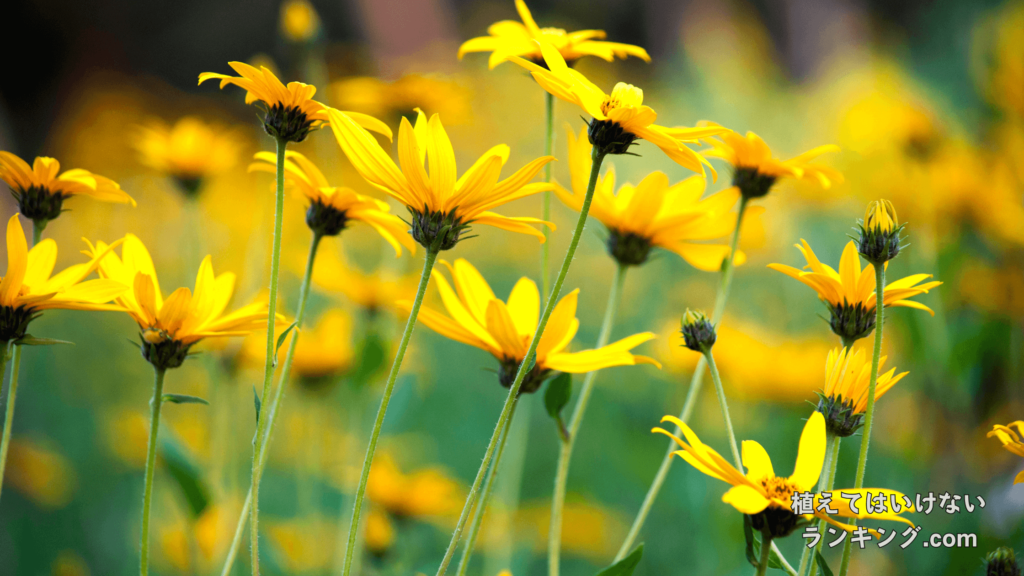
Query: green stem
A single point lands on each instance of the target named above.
(766, 551)
(37, 231)
(717, 379)
(275, 403)
(869, 413)
(12, 394)
(268, 369)
(147, 494)
(827, 482)
(565, 454)
(597, 157)
(353, 530)
(481, 507)
(549, 144)
(696, 382)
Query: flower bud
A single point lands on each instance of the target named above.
(880, 233)
(698, 332)
(1002, 562)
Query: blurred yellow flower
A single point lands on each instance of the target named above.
(588, 530)
(427, 492)
(755, 170)
(402, 97)
(210, 534)
(998, 45)
(331, 208)
(41, 189)
(69, 563)
(1011, 441)
(478, 318)
(41, 473)
(127, 435)
(303, 544)
(372, 291)
(653, 213)
(189, 151)
(379, 534)
(28, 287)
(323, 351)
(760, 489)
(170, 327)
(621, 117)
(299, 21)
(442, 206)
(510, 38)
(291, 111)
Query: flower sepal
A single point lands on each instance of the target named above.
(1002, 562)
(14, 322)
(324, 219)
(163, 351)
(840, 418)
(437, 230)
(289, 124)
(778, 522)
(609, 137)
(752, 183)
(698, 331)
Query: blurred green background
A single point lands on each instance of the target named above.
(926, 99)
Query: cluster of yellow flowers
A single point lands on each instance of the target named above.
(530, 333)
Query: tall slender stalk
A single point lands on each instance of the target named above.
(717, 379)
(357, 508)
(825, 484)
(275, 402)
(869, 413)
(268, 369)
(597, 157)
(147, 494)
(565, 454)
(12, 393)
(549, 144)
(481, 507)
(766, 551)
(696, 382)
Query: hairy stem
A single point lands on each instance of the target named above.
(147, 494)
(717, 379)
(549, 144)
(825, 484)
(12, 395)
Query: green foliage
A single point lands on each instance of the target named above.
(626, 566)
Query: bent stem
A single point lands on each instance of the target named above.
(12, 394)
(825, 484)
(275, 403)
(353, 530)
(549, 144)
(869, 413)
(268, 369)
(481, 507)
(597, 157)
(696, 382)
(717, 379)
(147, 494)
(565, 454)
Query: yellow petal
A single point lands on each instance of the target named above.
(746, 499)
(17, 262)
(811, 454)
(755, 458)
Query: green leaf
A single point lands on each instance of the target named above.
(372, 356)
(256, 398)
(30, 340)
(557, 395)
(626, 566)
(282, 338)
(822, 565)
(184, 399)
(185, 472)
(748, 535)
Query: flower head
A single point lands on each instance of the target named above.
(29, 286)
(299, 21)
(441, 205)
(505, 328)
(332, 208)
(41, 189)
(510, 38)
(755, 170)
(1011, 441)
(190, 151)
(291, 111)
(619, 118)
(768, 498)
(171, 326)
(844, 398)
(424, 493)
(1002, 562)
(850, 292)
(653, 213)
(880, 231)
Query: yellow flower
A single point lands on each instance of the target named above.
(189, 151)
(1011, 441)
(588, 530)
(28, 287)
(618, 118)
(760, 489)
(505, 329)
(41, 473)
(379, 534)
(653, 213)
(331, 208)
(881, 216)
(390, 100)
(510, 38)
(171, 326)
(442, 206)
(850, 292)
(373, 291)
(844, 398)
(323, 351)
(756, 170)
(303, 545)
(41, 191)
(299, 21)
(424, 493)
(291, 111)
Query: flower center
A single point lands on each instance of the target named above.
(778, 488)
